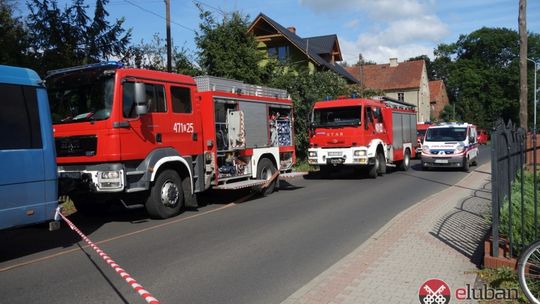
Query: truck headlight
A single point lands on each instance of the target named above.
(110, 180)
(110, 175)
(360, 153)
(460, 148)
(425, 149)
(312, 153)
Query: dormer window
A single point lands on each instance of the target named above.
(401, 96)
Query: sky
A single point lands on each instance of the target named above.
(378, 29)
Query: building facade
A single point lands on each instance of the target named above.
(406, 81)
(319, 53)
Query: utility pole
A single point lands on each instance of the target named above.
(169, 44)
(522, 20)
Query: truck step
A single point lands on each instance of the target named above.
(135, 189)
(135, 172)
(292, 175)
(241, 185)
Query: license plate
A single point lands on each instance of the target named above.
(441, 161)
(73, 175)
(336, 161)
(334, 154)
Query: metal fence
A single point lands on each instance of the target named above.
(508, 163)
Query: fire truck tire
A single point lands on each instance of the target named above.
(406, 162)
(382, 164)
(265, 170)
(166, 197)
(89, 205)
(374, 169)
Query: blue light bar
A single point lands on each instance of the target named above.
(101, 65)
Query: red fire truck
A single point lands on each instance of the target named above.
(369, 133)
(155, 139)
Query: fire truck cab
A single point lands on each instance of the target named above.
(156, 139)
(367, 133)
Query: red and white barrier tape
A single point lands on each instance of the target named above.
(138, 288)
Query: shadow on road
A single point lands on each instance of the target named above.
(465, 228)
(24, 241)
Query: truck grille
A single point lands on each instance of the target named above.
(76, 146)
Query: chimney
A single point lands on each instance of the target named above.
(292, 29)
(393, 62)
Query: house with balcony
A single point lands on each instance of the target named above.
(406, 81)
(319, 53)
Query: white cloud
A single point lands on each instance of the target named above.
(399, 28)
(375, 8)
(352, 24)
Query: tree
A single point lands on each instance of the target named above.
(68, 37)
(153, 56)
(227, 50)
(13, 37)
(305, 89)
(481, 72)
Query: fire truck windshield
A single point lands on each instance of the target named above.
(446, 134)
(337, 117)
(81, 97)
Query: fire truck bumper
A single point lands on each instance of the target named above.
(338, 157)
(448, 162)
(93, 178)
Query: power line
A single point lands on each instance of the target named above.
(159, 16)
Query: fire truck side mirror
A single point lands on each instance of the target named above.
(141, 104)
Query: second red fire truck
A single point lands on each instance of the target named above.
(366, 133)
(155, 139)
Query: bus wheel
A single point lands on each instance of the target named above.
(166, 197)
(265, 171)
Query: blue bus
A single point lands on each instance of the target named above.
(28, 177)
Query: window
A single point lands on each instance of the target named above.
(281, 53)
(155, 96)
(19, 118)
(341, 116)
(181, 100)
(401, 96)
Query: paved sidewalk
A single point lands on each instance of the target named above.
(438, 237)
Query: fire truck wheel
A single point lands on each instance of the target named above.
(406, 162)
(374, 169)
(166, 197)
(89, 205)
(265, 170)
(382, 164)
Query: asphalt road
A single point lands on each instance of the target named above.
(229, 251)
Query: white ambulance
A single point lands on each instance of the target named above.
(450, 145)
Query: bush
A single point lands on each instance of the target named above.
(520, 236)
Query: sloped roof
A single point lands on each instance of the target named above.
(435, 90)
(324, 44)
(310, 50)
(406, 75)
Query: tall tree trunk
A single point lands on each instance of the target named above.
(522, 20)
